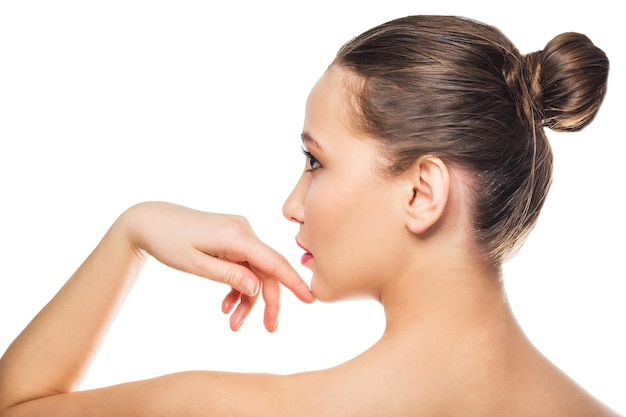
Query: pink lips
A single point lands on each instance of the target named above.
(307, 256)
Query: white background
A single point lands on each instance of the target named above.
(105, 104)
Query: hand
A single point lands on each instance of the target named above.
(220, 247)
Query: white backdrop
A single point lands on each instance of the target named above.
(105, 104)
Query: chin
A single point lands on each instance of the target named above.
(327, 294)
(323, 293)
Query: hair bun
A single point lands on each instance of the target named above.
(573, 76)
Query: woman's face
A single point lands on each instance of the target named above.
(350, 224)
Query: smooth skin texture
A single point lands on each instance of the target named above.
(451, 344)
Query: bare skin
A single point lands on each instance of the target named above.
(451, 346)
(420, 363)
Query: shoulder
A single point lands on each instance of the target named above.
(537, 387)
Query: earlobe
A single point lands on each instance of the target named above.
(430, 180)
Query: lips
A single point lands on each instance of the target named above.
(307, 255)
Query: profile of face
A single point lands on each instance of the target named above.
(351, 225)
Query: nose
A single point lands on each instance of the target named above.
(293, 208)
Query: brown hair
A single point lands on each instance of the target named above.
(459, 89)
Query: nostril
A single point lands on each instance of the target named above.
(292, 210)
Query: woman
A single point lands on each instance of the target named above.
(427, 167)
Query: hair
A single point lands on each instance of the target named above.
(458, 89)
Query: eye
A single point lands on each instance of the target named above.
(312, 161)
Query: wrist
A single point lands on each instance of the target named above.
(127, 227)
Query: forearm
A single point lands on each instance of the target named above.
(53, 352)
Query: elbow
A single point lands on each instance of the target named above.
(6, 412)
(13, 410)
(5, 406)
(7, 409)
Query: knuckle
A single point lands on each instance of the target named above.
(280, 262)
(232, 276)
(239, 226)
(241, 222)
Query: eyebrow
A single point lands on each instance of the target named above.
(308, 140)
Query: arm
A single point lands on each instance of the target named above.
(54, 351)
(183, 394)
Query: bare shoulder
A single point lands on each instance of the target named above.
(562, 396)
(537, 387)
(406, 381)
(396, 386)
(370, 385)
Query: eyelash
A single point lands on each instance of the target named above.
(312, 161)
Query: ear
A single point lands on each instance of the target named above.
(429, 180)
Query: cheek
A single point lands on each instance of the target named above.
(350, 235)
(330, 231)
(329, 215)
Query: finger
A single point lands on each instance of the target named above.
(271, 297)
(242, 311)
(233, 274)
(230, 300)
(272, 264)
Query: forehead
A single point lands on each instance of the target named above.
(330, 103)
(329, 124)
(328, 91)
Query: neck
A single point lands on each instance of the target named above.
(452, 298)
